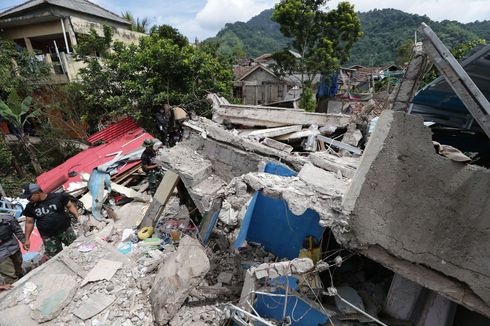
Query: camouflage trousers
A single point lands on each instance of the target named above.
(154, 178)
(11, 268)
(54, 244)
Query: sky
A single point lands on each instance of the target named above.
(204, 18)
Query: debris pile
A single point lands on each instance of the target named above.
(275, 216)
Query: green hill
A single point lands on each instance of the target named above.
(384, 31)
(257, 36)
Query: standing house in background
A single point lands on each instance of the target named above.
(256, 84)
(50, 30)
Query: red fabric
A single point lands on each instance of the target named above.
(36, 242)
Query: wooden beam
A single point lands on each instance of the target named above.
(162, 195)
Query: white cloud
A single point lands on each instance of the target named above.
(462, 11)
(204, 18)
(216, 13)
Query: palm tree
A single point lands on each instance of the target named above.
(138, 25)
(18, 112)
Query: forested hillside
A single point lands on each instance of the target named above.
(384, 32)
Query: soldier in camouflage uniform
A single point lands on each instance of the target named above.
(153, 171)
(47, 210)
(10, 255)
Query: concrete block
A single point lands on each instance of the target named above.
(323, 181)
(346, 165)
(402, 298)
(419, 206)
(277, 145)
(178, 274)
(273, 132)
(436, 311)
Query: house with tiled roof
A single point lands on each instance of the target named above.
(50, 29)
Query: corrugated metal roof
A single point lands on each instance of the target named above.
(83, 6)
(114, 131)
(87, 160)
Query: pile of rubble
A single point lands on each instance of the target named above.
(260, 222)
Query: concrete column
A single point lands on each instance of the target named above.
(71, 32)
(28, 45)
(402, 298)
(437, 311)
(49, 62)
(66, 65)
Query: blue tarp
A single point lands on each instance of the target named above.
(329, 88)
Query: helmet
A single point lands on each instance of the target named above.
(148, 143)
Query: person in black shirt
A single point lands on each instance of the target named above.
(47, 210)
(152, 169)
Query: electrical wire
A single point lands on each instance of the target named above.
(361, 311)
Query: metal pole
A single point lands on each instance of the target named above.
(64, 36)
(59, 57)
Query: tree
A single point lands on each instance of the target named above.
(404, 52)
(18, 112)
(139, 79)
(171, 33)
(137, 25)
(321, 39)
(20, 71)
(459, 52)
(92, 44)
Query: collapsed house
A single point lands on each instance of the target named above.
(273, 216)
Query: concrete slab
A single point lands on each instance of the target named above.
(55, 293)
(420, 206)
(323, 181)
(178, 274)
(94, 305)
(104, 270)
(277, 145)
(162, 195)
(273, 132)
(346, 165)
(272, 116)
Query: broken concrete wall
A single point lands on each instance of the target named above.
(228, 161)
(420, 206)
(177, 276)
(230, 154)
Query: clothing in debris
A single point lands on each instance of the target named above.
(49, 214)
(54, 244)
(99, 178)
(10, 256)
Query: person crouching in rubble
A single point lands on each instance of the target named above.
(152, 169)
(10, 255)
(53, 222)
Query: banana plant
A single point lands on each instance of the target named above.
(18, 112)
